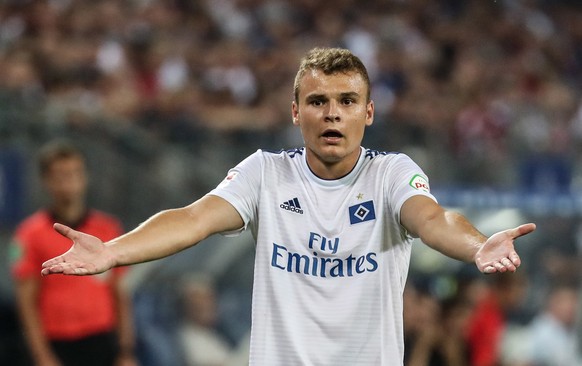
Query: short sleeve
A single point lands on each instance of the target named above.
(406, 179)
(241, 188)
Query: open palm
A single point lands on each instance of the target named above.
(498, 253)
(88, 255)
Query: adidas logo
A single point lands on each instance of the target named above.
(292, 205)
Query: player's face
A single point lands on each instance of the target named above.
(66, 180)
(332, 112)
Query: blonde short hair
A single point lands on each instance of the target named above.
(330, 61)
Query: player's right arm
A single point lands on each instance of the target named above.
(163, 234)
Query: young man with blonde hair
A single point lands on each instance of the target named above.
(333, 223)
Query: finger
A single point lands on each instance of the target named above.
(52, 269)
(522, 230)
(508, 264)
(78, 271)
(489, 270)
(66, 231)
(52, 263)
(64, 269)
(514, 258)
(500, 267)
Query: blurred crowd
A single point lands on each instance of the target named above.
(492, 85)
(165, 95)
(483, 324)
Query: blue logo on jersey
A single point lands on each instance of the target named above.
(323, 261)
(371, 154)
(362, 212)
(292, 205)
(293, 152)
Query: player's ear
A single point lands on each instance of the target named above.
(295, 113)
(370, 113)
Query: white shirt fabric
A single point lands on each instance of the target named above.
(552, 343)
(331, 257)
(203, 346)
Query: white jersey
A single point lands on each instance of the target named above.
(331, 257)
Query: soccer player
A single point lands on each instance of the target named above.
(333, 224)
(69, 320)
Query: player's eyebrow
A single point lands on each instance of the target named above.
(324, 97)
(351, 95)
(313, 97)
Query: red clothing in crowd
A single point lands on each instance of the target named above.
(71, 307)
(485, 331)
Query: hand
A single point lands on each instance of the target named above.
(498, 254)
(126, 360)
(48, 360)
(87, 256)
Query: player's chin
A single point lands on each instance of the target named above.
(332, 156)
(334, 148)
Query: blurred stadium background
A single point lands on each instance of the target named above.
(165, 96)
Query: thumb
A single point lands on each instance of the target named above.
(522, 230)
(66, 231)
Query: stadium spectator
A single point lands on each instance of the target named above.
(435, 327)
(552, 333)
(201, 342)
(69, 321)
(491, 316)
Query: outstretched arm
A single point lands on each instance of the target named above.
(163, 234)
(453, 235)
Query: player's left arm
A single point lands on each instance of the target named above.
(453, 235)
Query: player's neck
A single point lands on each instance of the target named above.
(331, 170)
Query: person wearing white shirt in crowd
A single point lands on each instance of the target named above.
(553, 335)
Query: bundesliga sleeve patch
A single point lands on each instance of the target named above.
(420, 183)
(362, 212)
(228, 179)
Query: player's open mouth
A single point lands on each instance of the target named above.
(331, 136)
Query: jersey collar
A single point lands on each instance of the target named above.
(345, 180)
